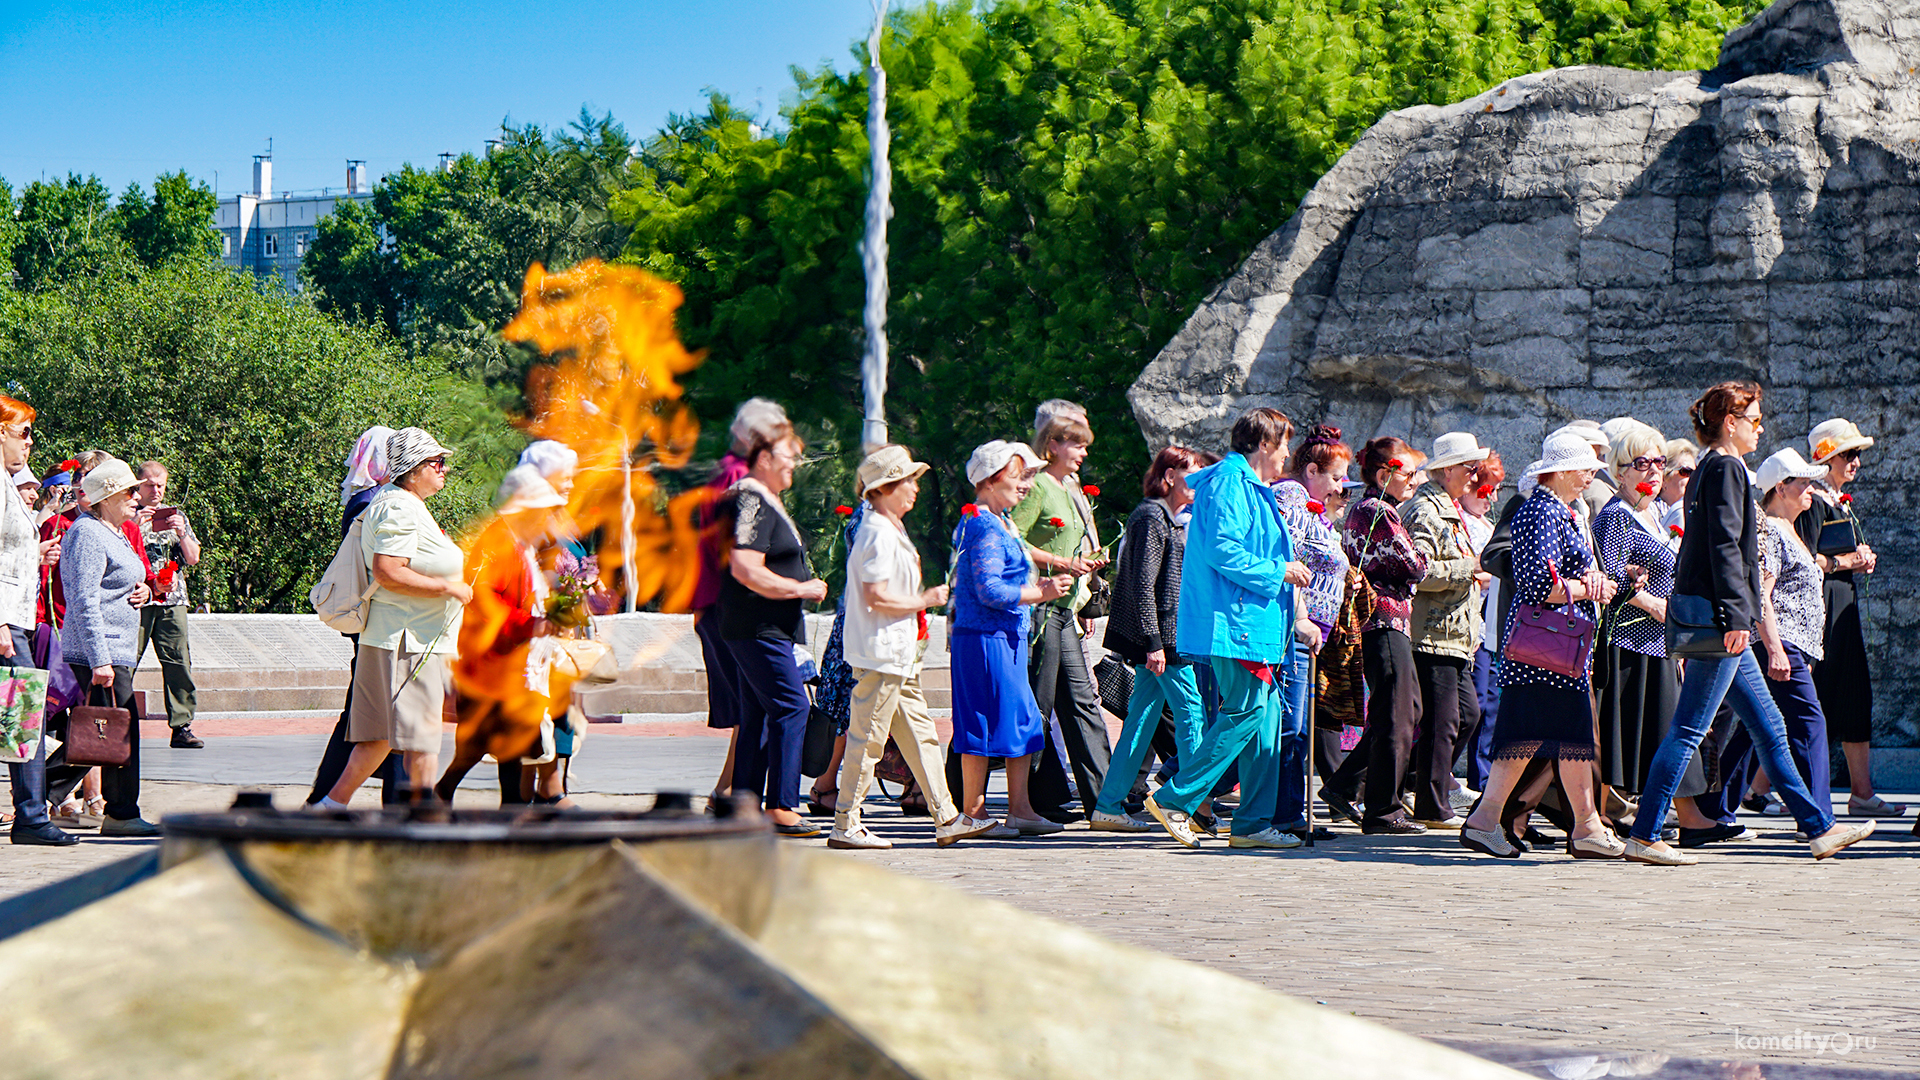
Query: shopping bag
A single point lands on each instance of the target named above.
(23, 711)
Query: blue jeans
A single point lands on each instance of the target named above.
(1806, 738)
(1176, 688)
(1290, 806)
(1739, 682)
(1246, 731)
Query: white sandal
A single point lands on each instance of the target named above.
(1874, 806)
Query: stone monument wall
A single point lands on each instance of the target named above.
(1593, 242)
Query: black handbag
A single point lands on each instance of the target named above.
(1115, 682)
(1837, 537)
(1693, 630)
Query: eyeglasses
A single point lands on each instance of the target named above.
(439, 463)
(1648, 464)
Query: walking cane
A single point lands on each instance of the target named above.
(1313, 703)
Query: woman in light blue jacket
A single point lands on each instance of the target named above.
(1236, 609)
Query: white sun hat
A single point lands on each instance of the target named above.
(1564, 451)
(1456, 448)
(1787, 465)
(989, 458)
(1835, 436)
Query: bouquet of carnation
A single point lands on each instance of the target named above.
(569, 604)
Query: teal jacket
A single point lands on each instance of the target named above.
(1234, 598)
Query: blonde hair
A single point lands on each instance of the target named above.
(1634, 440)
(1678, 450)
(1063, 429)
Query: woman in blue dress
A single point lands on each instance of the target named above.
(994, 713)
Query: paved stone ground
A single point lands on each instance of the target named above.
(1531, 959)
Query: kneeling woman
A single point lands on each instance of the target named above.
(994, 713)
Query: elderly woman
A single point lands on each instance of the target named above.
(1140, 631)
(105, 582)
(1545, 713)
(1719, 569)
(22, 554)
(994, 712)
(756, 421)
(498, 630)
(1314, 476)
(1379, 546)
(762, 620)
(1682, 455)
(886, 630)
(1843, 674)
(402, 670)
(1056, 520)
(366, 472)
(1639, 684)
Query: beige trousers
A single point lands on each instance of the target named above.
(893, 705)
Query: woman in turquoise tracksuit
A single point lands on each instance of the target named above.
(1236, 609)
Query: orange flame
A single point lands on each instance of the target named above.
(611, 394)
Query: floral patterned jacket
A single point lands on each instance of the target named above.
(1379, 546)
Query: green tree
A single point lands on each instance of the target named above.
(176, 223)
(64, 230)
(251, 396)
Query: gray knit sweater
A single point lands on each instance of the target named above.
(98, 571)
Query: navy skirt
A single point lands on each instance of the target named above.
(994, 714)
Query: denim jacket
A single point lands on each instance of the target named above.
(1234, 599)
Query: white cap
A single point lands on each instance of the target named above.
(1787, 465)
(989, 458)
(1589, 431)
(1564, 451)
(523, 488)
(24, 476)
(1456, 448)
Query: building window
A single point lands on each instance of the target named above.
(226, 246)
(269, 244)
(300, 244)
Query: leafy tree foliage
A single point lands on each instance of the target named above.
(1070, 177)
(252, 398)
(60, 230)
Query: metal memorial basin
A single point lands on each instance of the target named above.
(661, 943)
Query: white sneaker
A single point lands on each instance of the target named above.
(1463, 799)
(857, 838)
(1839, 837)
(963, 828)
(1268, 837)
(1177, 824)
(1105, 822)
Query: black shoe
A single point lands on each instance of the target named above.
(129, 828)
(184, 738)
(1393, 826)
(1719, 831)
(45, 834)
(1342, 807)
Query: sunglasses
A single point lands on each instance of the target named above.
(1844, 455)
(439, 463)
(1648, 464)
(26, 432)
(1756, 421)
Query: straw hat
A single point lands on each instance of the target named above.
(887, 465)
(1836, 436)
(1456, 448)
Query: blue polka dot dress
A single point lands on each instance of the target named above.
(1543, 713)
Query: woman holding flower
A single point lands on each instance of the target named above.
(1056, 520)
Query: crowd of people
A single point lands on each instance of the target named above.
(1627, 642)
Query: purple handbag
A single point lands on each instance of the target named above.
(1551, 639)
(63, 690)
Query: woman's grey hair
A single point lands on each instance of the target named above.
(1056, 409)
(757, 423)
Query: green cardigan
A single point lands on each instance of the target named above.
(1047, 503)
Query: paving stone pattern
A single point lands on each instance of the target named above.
(1593, 242)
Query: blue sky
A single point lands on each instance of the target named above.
(129, 90)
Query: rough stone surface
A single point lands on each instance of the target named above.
(1593, 242)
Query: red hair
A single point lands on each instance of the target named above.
(15, 412)
(1387, 451)
(1156, 485)
(1322, 447)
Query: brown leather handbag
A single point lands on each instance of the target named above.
(99, 734)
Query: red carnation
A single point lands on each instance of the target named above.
(69, 465)
(843, 511)
(969, 510)
(1846, 498)
(1316, 507)
(1056, 523)
(1644, 487)
(1090, 491)
(165, 576)
(1393, 463)
(1677, 531)
(1484, 491)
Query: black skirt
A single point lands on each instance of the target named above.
(1841, 677)
(1543, 721)
(1638, 697)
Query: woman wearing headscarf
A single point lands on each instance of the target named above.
(1843, 675)
(105, 581)
(1545, 713)
(22, 554)
(366, 471)
(402, 678)
(1720, 564)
